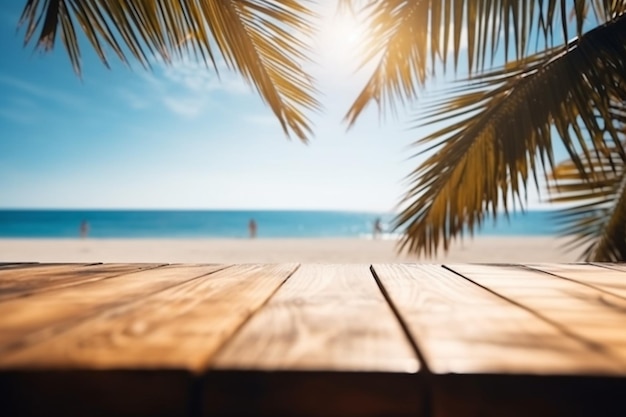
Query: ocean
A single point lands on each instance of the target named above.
(232, 224)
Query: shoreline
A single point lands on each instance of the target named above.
(480, 249)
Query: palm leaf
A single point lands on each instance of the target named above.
(499, 134)
(262, 40)
(409, 38)
(598, 216)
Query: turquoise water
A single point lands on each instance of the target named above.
(229, 223)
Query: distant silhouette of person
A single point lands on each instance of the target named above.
(84, 229)
(378, 228)
(252, 227)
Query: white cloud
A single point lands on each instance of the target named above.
(185, 87)
(195, 76)
(42, 92)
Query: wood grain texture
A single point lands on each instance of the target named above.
(177, 328)
(326, 344)
(462, 328)
(620, 266)
(9, 265)
(201, 340)
(26, 281)
(325, 318)
(594, 317)
(606, 279)
(10, 271)
(27, 320)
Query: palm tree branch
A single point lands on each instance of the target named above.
(598, 217)
(486, 155)
(408, 38)
(262, 40)
(275, 74)
(402, 64)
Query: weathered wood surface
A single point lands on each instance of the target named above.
(325, 318)
(24, 264)
(331, 340)
(602, 278)
(8, 265)
(331, 319)
(572, 310)
(593, 317)
(462, 328)
(25, 280)
(611, 265)
(28, 320)
(180, 327)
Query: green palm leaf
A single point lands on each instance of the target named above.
(262, 40)
(499, 126)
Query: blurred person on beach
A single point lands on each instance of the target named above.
(252, 227)
(84, 229)
(378, 228)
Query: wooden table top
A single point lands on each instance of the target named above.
(312, 340)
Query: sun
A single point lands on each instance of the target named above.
(348, 28)
(340, 37)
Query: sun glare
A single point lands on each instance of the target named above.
(348, 29)
(341, 37)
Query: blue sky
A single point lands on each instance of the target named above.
(178, 137)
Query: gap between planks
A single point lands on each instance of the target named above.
(462, 327)
(324, 318)
(179, 327)
(29, 320)
(579, 311)
(34, 279)
(327, 333)
(608, 280)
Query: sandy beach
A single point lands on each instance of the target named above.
(337, 250)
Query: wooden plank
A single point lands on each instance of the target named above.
(24, 282)
(31, 319)
(489, 357)
(177, 328)
(462, 328)
(11, 271)
(609, 280)
(134, 359)
(331, 320)
(620, 266)
(594, 317)
(9, 265)
(326, 317)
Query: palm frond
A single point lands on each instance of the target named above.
(408, 38)
(263, 40)
(598, 217)
(499, 126)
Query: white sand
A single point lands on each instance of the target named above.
(483, 249)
